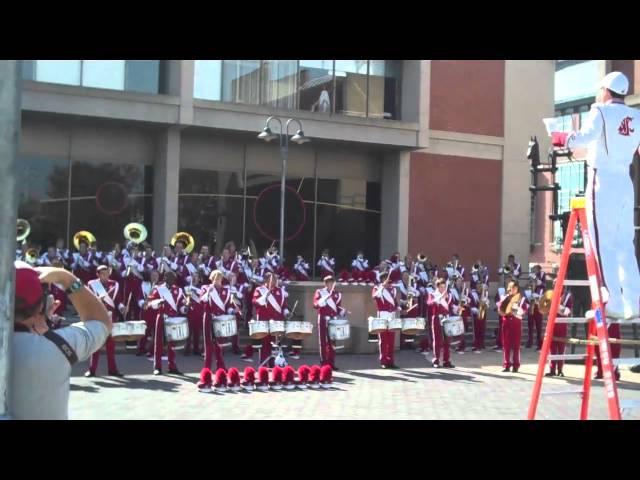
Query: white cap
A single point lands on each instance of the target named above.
(617, 82)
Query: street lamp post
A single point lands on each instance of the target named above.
(267, 135)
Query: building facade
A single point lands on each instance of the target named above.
(404, 155)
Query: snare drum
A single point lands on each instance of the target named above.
(377, 325)
(225, 326)
(176, 329)
(453, 327)
(339, 329)
(258, 329)
(413, 326)
(298, 330)
(120, 331)
(276, 327)
(394, 324)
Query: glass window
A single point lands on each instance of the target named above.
(103, 74)
(142, 76)
(571, 178)
(107, 196)
(43, 185)
(316, 85)
(29, 69)
(279, 83)
(577, 81)
(351, 87)
(66, 72)
(207, 81)
(211, 206)
(384, 87)
(241, 81)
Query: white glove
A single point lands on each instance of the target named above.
(183, 310)
(121, 308)
(286, 312)
(140, 303)
(173, 265)
(456, 310)
(475, 311)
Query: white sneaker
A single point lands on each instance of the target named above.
(460, 352)
(247, 359)
(295, 357)
(477, 351)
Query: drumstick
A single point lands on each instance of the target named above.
(293, 309)
(126, 310)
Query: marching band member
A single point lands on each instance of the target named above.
(512, 308)
(534, 317)
(109, 292)
(614, 332)
(216, 299)
(410, 303)
(148, 262)
(148, 314)
(47, 259)
(560, 331)
(327, 264)
(270, 302)
(206, 264)
(227, 265)
(328, 303)
(513, 268)
(301, 270)
(132, 276)
(385, 297)
(395, 267)
(379, 270)
(256, 278)
(114, 260)
(63, 253)
(479, 298)
(167, 299)
(461, 300)
(166, 261)
(501, 319)
(237, 290)
(82, 265)
(196, 310)
(479, 273)
(192, 265)
(360, 271)
(441, 303)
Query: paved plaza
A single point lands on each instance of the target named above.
(475, 389)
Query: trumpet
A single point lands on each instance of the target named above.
(505, 269)
(484, 303)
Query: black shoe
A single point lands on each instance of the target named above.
(157, 371)
(116, 374)
(186, 353)
(139, 354)
(560, 374)
(89, 374)
(334, 368)
(514, 370)
(435, 364)
(175, 371)
(448, 365)
(617, 374)
(506, 370)
(528, 345)
(195, 354)
(551, 374)
(598, 376)
(393, 366)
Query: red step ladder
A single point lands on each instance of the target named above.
(597, 325)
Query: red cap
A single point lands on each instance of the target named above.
(28, 286)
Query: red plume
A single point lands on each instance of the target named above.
(263, 375)
(249, 375)
(314, 374)
(326, 374)
(288, 374)
(233, 376)
(276, 375)
(303, 374)
(205, 378)
(220, 378)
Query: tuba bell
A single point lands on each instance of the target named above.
(135, 232)
(186, 238)
(422, 258)
(544, 304)
(23, 230)
(83, 236)
(31, 257)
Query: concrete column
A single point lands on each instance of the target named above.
(177, 78)
(528, 98)
(394, 233)
(166, 176)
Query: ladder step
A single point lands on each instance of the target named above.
(562, 392)
(577, 250)
(626, 361)
(568, 356)
(571, 320)
(576, 283)
(618, 320)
